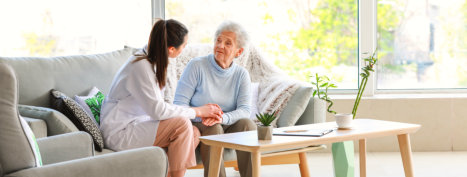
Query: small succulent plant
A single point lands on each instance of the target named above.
(266, 118)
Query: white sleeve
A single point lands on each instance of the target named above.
(143, 87)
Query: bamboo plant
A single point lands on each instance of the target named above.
(322, 84)
(370, 62)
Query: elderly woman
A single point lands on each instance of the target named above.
(216, 79)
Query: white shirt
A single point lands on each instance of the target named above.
(134, 106)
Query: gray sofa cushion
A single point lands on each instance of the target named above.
(38, 127)
(73, 75)
(57, 123)
(295, 106)
(65, 147)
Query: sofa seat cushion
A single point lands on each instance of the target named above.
(38, 127)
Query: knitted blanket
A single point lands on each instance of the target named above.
(275, 87)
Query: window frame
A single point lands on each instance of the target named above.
(367, 24)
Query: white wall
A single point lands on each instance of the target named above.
(443, 119)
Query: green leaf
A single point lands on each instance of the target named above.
(323, 85)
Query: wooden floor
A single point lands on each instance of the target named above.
(379, 164)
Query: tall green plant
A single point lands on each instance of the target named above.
(322, 84)
(367, 69)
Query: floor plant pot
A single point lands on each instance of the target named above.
(264, 132)
(343, 159)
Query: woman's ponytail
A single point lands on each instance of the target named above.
(164, 34)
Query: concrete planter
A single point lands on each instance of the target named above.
(264, 132)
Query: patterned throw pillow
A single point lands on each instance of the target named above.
(32, 141)
(92, 103)
(82, 120)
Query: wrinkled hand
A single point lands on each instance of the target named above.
(210, 121)
(209, 110)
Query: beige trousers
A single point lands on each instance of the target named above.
(180, 138)
(243, 158)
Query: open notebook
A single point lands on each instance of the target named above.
(302, 132)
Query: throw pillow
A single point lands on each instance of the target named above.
(32, 141)
(78, 116)
(92, 103)
(295, 106)
(254, 101)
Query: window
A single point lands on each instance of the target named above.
(302, 37)
(422, 44)
(55, 27)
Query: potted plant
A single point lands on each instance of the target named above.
(322, 84)
(265, 129)
(343, 152)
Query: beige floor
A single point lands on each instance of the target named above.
(379, 164)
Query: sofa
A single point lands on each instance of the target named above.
(76, 75)
(69, 154)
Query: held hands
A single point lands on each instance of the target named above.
(210, 114)
(210, 121)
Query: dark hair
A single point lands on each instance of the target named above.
(164, 34)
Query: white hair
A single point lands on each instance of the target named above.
(241, 35)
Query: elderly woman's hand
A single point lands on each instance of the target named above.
(210, 121)
(209, 110)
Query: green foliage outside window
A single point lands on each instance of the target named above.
(329, 38)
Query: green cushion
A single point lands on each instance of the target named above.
(92, 103)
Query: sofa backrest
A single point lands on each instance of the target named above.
(72, 75)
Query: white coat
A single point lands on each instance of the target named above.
(134, 106)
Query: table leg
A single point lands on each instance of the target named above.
(215, 158)
(406, 153)
(362, 153)
(256, 163)
(303, 165)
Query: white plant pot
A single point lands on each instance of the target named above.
(344, 121)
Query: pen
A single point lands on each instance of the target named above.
(294, 131)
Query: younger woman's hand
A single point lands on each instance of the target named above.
(209, 110)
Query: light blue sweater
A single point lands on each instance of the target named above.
(204, 81)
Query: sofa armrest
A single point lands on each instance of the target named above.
(315, 112)
(65, 147)
(57, 123)
(142, 162)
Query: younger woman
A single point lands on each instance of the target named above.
(134, 113)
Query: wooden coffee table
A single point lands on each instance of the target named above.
(362, 129)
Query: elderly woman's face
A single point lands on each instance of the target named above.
(226, 48)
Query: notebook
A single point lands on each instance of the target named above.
(302, 132)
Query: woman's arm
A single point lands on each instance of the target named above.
(186, 85)
(243, 102)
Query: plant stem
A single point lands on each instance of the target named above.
(359, 96)
(317, 85)
(355, 105)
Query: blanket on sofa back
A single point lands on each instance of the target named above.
(275, 88)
